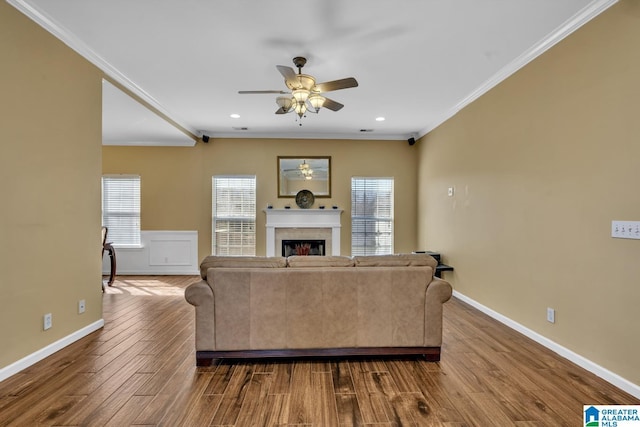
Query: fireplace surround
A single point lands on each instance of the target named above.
(302, 224)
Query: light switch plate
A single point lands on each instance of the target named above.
(625, 229)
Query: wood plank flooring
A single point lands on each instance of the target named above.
(140, 370)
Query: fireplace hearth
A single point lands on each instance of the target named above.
(303, 247)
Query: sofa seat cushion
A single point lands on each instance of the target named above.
(214, 261)
(399, 260)
(319, 261)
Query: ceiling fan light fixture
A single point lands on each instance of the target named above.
(305, 169)
(284, 102)
(300, 108)
(306, 95)
(301, 95)
(316, 101)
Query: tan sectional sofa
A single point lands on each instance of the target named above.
(249, 307)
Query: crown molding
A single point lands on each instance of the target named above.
(71, 40)
(142, 143)
(589, 12)
(369, 136)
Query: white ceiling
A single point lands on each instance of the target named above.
(417, 61)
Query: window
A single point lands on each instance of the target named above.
(371, 216)
(234, 215)
(121, 209)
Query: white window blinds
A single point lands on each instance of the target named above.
(371, 216)
(121, 209)
(234, 215)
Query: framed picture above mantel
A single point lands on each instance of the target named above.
(312, 173)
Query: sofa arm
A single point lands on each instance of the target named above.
(439, 289)
(438, 292)
(200, 295)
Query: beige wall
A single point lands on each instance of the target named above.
(541, 165)
(176, 181)
(50, 136)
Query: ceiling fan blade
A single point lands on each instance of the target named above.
(289, 76)
(252, 92)
(331, 104)
(337, 84)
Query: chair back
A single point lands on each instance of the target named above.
(105, 230)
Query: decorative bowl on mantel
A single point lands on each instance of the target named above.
(304, 199)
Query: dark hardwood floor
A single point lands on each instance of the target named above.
(140, 370)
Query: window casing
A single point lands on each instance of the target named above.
(121, 209)
(371, 216)
(234, 215)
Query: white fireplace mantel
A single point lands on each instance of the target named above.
(303, 218)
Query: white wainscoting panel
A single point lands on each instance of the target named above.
(162, 252)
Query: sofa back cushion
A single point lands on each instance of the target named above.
(296, 308)
(399, 260)
(319, 261)
(214, 261)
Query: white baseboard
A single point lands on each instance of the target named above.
(47, 351)
(605, 374)
(140, 272)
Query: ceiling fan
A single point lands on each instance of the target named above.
(305, 94)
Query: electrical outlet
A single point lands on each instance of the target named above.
(450, 191)
(551, 315)
(81, 306)
(48, 321)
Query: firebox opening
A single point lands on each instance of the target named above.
(303, 247)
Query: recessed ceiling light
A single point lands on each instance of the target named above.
(380, 119)
(235, 116)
